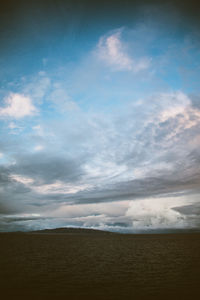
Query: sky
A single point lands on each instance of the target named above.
(100, 115)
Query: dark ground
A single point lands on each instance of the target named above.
(90, 265)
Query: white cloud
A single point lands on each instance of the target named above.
(38, 148)
(17, 106)
(22, 179)
(112, 51)
(154, 213)
(114, 209)
(59, 187)
(176, 108)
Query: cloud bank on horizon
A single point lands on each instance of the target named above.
(100, 117)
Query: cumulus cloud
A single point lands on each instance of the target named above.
(156, 213)
(113, 52)
(17, 106)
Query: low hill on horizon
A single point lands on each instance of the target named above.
(72, 230)
(79, 230)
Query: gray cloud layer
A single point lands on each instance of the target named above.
(131, 156)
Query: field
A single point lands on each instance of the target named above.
(95, 265)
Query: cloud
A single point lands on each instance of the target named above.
(46, 169)
(61, 100)
(17, 106)
(117, 140)
(113, 52)
(37, 86)
(117, 209)
(191, 212)
(38, 148)
(156, 213)
(149, 150)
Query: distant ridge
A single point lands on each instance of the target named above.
(71, 230)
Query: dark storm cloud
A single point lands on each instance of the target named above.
(39, 169)
(18, 197)
(11, 219)
(7, 183)
(4, 209)
(12, 193)
(19, 223)
(45, 169)
(192, 209)
(141, 188)
(162, 183)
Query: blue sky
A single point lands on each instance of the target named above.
(99, 116)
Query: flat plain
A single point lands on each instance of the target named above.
(86, 264)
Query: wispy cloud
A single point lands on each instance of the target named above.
(112, 51)
(61, 99)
